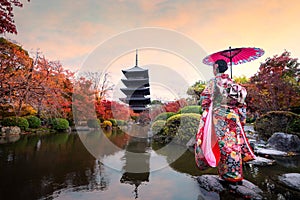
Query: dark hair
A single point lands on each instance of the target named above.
(222, 65)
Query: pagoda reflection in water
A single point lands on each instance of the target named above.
(137, 163)
(137, 88)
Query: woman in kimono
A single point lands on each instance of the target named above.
(221, 141)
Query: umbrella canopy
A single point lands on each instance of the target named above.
(235, 56)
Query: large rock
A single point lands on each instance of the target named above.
(284, 142)
(270, 152)
(10, 130)
(210, 183)
(291, 180)
(260, 161)
(211, 186)
(247, 190)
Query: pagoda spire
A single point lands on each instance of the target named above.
(136, 57)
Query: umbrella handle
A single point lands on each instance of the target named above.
(230, 58)
(231, 68)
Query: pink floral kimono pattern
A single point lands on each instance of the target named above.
(221, 141)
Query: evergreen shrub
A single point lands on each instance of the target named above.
(34, 122)
(93, 123)
(164, 116)
(60, 124)
(158, 127)
(121, 122)
(16, 121)
(182, 126)
(191, 109)
(277, 121)
(113, 122)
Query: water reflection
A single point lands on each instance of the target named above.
(97, 178)
(36, 166)
(9, 139)
(137, 163)
(288, 162)
(58, 166)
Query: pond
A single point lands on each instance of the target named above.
(63, 166)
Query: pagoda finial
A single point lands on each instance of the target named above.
(136, 57)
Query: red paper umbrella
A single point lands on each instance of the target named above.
(235, 56)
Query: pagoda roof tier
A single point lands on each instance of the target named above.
(135, 69)
(136, 72)
(139, 110)
(136, 91)
(136, 100)
(138, 107)
(135, 83)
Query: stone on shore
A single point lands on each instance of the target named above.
(261, 161)
(211, 186)
(284, 142)
(10, 130)
(270, 152)
(291, 180)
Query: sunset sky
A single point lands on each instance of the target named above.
(70, 30)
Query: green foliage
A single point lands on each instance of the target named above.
(196, 90)
(241, 79)
(16, 121)
(113, 122)
(121, 122)
(164, 116)
(134, 118)
(156, 102)
(158, 127)
(22, 123)
(295, 126)
(183, 126)
(277, 121)
(34, 122)
(60, 124)
(93, 123)
(250, 120)
(191, 109)
(9, 121)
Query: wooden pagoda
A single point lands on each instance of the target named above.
(137, 87)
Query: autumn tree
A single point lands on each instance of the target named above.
(44, 85)
(7, 23)
(100, 86)
(100, 83)
(276, 85)
(174, 106)
(83, 100)
(51, 88)
(16, 68)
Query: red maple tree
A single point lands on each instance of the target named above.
(7, 23)
(276, 86)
